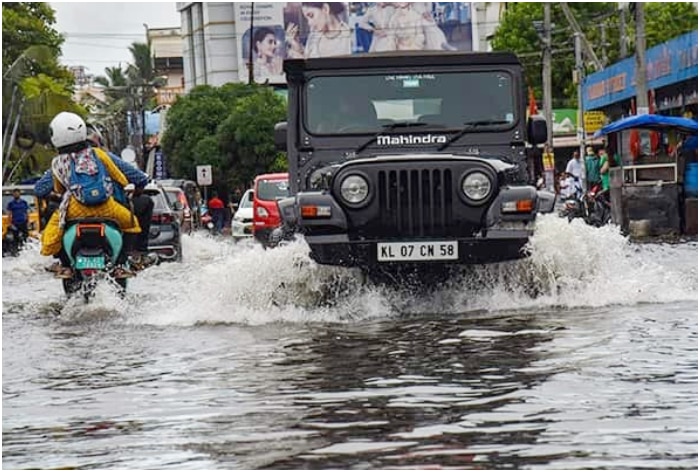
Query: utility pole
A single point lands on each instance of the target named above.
(603, 42)
(578, 79)
(623, 30)
(640, 59)
(547, 71)
(584, 42)
(251, 75)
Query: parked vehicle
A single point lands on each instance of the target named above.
(593, 207)
(165, 236)
(242, 221)
(192, 194)
(178, 202)
(93, 246)
(410, 160)
(267, 190)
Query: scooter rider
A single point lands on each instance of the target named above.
(76, 155)
(44, 189)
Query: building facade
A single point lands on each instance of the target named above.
(216, 37)
(672, 81)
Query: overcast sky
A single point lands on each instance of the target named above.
(98, 35)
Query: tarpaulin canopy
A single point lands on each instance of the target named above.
(655, 122)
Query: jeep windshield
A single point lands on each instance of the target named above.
(362, 104)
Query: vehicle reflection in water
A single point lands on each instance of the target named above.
(388, 394)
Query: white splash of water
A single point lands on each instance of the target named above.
(572, 265)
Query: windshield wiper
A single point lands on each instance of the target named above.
(470, 126)
(385, 128)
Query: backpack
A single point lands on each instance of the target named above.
(89, 182)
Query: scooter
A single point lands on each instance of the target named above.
(93, 247)
(592, 206)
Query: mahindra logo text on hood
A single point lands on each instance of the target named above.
(407, 139)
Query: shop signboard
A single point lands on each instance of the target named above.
(282, 30)
(593, 121)
(564, 121)
(668, 63)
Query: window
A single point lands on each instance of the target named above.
(272, 189)
(363, 104)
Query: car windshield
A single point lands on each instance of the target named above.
(27, 198)
(160, 203)
(365, 104)
(177, 196)
(273, 189)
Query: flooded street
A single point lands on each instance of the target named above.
(582, 356)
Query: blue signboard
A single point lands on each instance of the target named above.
(159, 165)
(668, 63)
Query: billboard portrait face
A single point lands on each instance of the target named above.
(267, 54)
(317, 29)
(303, 30)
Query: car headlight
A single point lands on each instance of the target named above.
(354, 189)
(476, 186)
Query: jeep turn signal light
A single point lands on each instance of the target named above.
(518, 206)
(314, 211)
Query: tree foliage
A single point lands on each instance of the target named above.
(33, 75)
(228, 127)
(27, 24)
(601, 26)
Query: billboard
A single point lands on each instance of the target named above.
(323, 29)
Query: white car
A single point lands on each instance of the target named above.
(242, 221)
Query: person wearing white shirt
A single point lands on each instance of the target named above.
(575, 166)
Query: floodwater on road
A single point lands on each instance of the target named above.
(582, 356)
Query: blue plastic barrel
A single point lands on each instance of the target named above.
(690, 179)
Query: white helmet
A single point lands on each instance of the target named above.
(66, 129)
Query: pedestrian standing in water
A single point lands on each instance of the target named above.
(216, 209)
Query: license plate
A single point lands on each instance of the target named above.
(421, 251)
(84, 262)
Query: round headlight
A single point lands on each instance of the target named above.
(476, 186)
(354, 189)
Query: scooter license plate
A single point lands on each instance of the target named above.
(86, 262)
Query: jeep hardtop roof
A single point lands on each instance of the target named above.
(399, 59)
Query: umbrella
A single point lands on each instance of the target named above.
(655, 122)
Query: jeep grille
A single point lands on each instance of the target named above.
(415, 202)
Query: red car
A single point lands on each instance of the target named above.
(268, 188)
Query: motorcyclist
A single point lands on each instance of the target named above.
(76, 154)
(44, 189)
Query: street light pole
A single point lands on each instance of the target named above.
(143, 127)
(580, 129)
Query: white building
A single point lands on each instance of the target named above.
(214, 35)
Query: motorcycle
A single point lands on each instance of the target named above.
(93, 246)
(593, 206)
(13, 242)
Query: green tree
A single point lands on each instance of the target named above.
(600, 24)
(26, 24)
(666, 20)
(33, 75)
(228, 127)
(246, 136)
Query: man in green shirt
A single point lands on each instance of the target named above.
(604, 169)
(592, 163)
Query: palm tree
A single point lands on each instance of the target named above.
(112, 114)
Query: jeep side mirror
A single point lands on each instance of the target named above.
(536, 130)
(177, 206)
(281, 136)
